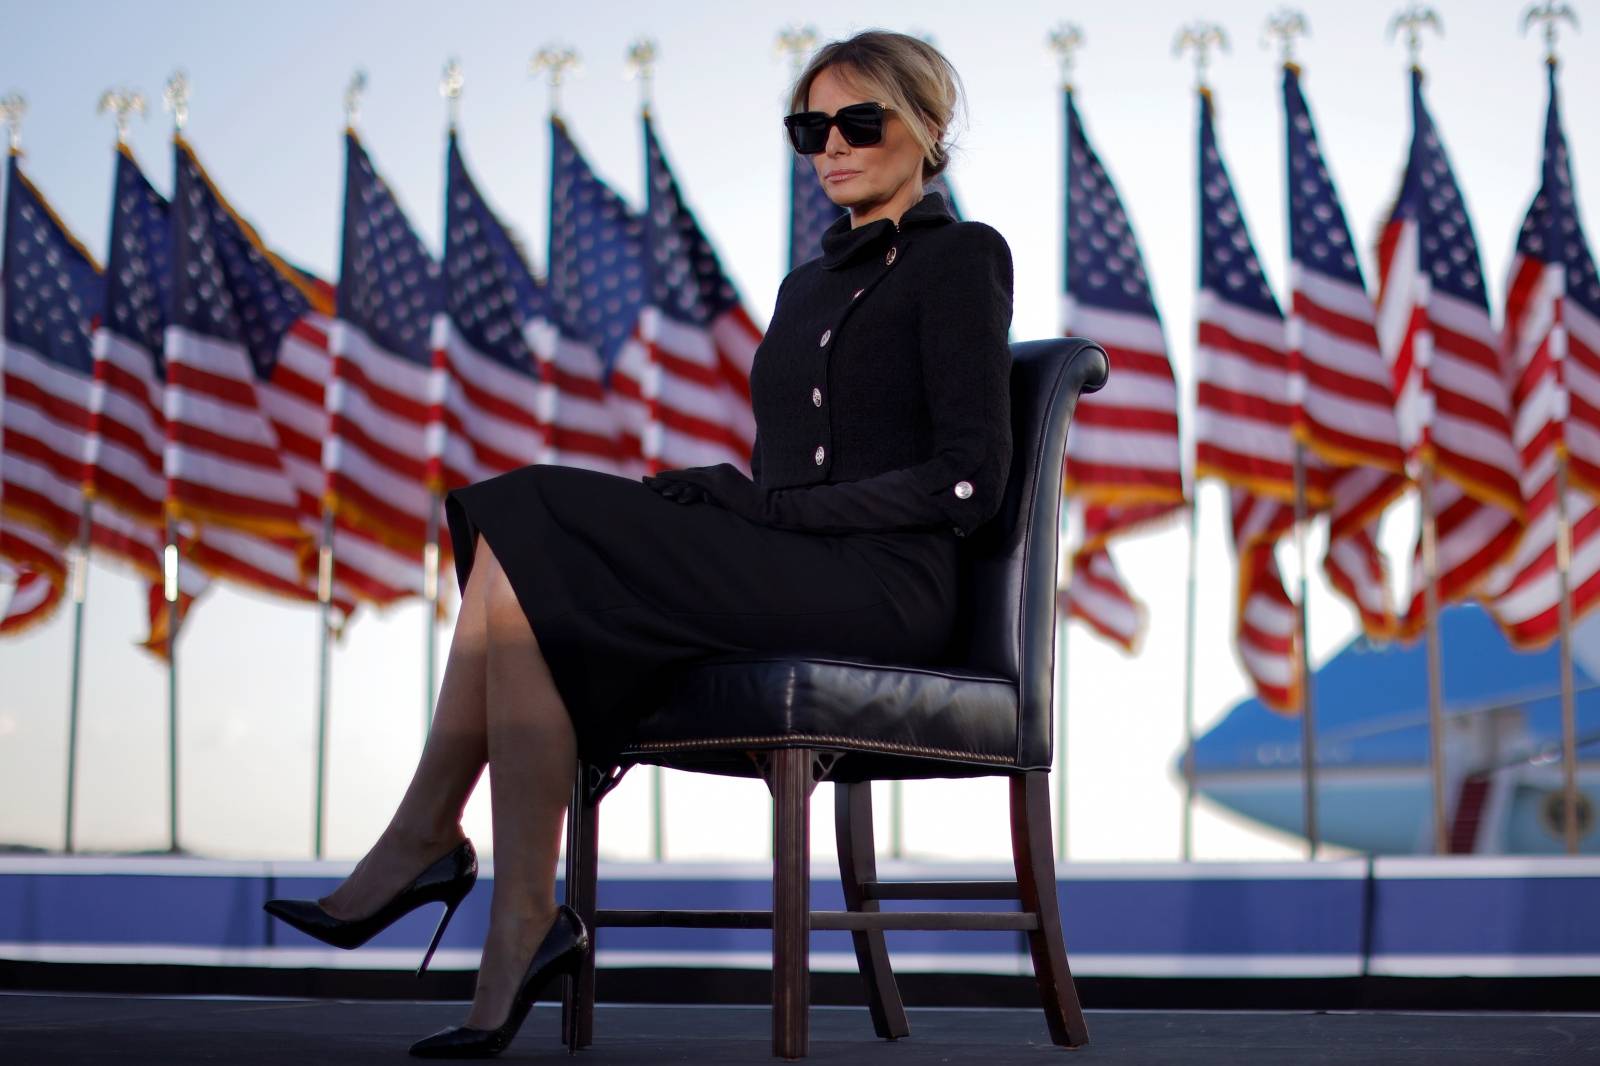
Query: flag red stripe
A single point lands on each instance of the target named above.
(1217, 398)
(406, 408)
(354, 434)
(1139, 419)
(1214, 335)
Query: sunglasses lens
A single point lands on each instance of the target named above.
(861, 124)
(808, 131)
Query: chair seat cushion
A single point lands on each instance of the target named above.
(891, 720)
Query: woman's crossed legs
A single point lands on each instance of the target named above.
(498, 705)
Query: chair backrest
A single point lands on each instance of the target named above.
(1008, 571)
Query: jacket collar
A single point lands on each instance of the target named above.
(841, 244)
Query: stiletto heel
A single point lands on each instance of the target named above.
(561, 952)
(447, 880)
(438, 934)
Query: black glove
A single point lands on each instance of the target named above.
(723, 485)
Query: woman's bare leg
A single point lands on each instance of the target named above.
(498, 704)
(532, 760)
(427, 823)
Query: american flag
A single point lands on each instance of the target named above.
(38, 576)
(128, 436)
(1098, 596)
(125, 470)
(1124, 462)
(53, 289)
(1267, 623)
(1449, 379)
(239, 321)
(1344, 401)
(232, 303)
(695, 341)
(1244, 416)
(381, 393)
(811, 212)
(580, 418)
(598, 282)
(487, 377)
(159, 640)
(1551, 338)
(295, 400)
(497, 390)
(523, 391)
(124, 473)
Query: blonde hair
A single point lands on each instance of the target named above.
(902, 72)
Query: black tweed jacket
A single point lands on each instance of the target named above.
(881, 390)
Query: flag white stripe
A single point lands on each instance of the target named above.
(1127, 448)
(1269, 441)
(407, 495)
(67, 386)
(1139, 333)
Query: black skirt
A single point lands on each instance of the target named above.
(619, 584)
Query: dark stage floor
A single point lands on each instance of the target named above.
(55, 1028)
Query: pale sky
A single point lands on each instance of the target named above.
(266, 117)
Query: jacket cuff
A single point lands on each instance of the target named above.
(966, 500)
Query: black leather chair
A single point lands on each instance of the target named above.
(795, 722)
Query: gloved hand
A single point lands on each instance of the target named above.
(679, 491)
(723, 485)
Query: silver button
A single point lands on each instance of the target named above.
(858, 292)
(816, 397)
(818, 455)
(963, 489)
(827, 335)
(888, 257)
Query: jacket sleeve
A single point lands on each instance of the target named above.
(964, 315)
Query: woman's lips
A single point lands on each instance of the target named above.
(842, 175)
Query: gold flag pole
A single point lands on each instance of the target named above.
(795, 43)
(556, 63)
(13, 106)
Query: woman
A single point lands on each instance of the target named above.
(881, 398)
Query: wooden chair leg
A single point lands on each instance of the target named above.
(858, 863)
(583, 839)
(791, 785)
(1034, 856)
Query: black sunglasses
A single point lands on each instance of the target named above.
(859, 124)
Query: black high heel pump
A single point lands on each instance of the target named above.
(447, 881)
(561, 951)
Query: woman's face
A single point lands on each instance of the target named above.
(863, 178)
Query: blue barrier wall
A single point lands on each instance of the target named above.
(1398, 917)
